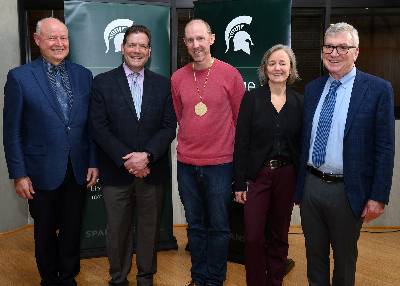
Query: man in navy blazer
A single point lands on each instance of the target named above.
(48, 151)
(133, 124)
(347, 157)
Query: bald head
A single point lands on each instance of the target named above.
(52, 39)
(199, 22)
(47, 21)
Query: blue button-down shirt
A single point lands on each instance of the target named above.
(334, 149)
(140, 77)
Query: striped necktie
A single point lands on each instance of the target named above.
(136, 93)
(324, 125)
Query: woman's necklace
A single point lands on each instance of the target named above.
(200, 108)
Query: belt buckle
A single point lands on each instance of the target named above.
(274, 164)
(325, 178)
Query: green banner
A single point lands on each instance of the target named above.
(96, 31)
(245, 30)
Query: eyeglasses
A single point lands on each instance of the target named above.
(341, 50)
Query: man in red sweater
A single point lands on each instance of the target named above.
(206, 94)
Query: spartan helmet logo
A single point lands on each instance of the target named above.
(115, 30)
(241, 39)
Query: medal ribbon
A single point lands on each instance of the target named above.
(199, 93)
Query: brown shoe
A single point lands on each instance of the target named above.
(192, 283)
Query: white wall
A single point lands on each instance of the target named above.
(13, 210)
(391, 217)
(179, 213)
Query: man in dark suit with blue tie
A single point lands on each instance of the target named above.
(48, 151)
(347, 157)
(133, 124)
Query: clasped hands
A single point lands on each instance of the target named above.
(136, 164)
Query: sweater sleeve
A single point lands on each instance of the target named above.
(176, 98)
(236, 94)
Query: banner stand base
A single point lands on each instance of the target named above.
(93, 253)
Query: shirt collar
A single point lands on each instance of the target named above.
(346, 79)
(128, 71)
(50, 68)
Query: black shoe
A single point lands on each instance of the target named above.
(125, 283)
(289, 265)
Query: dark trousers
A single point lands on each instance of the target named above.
(328, 221)
(269, 202)
(121, 203)
(57, 219)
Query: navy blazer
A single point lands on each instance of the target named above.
(117, 130)
(368, 143)
(37, 139)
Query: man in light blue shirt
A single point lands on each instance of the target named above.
(347, 157)
(133, 125)
(334, 148)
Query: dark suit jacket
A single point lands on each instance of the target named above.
(368, 143)
(254, 140)
(117, 131)
(37, 140)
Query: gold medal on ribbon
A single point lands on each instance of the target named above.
(200, 109)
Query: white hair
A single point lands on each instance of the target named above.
(343, 28)
(40, 22)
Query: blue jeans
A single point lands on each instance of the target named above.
(205, 192)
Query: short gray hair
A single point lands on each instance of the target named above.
(343, 27)
(293, 73)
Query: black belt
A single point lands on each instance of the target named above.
(326, 177)
(277, 163)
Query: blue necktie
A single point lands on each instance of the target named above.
(136, 93)
(324, 125)
(64, 98)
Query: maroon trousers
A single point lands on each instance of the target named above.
(269, 203)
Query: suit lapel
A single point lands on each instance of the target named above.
(41, 77)
(125, 91)
(357, 96)
(314, 100)
(74, 82)
(147, 92)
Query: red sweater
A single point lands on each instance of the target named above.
(209, 139)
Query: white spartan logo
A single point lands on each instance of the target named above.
(116, 30)
(241, 39)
